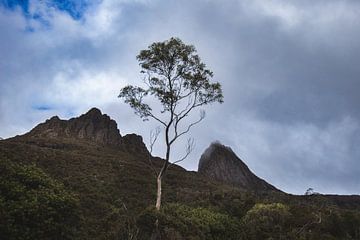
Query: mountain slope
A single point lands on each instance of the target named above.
(105, 170)
(110, 176)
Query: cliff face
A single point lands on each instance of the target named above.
(220, 163)
(92, 126)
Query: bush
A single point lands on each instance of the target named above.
(33, 205)
(267, 221)
(177, 221)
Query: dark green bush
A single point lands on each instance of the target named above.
(33, 205)
(267, 221)
(177, 221)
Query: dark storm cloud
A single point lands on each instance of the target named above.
(288, 69)
(297, 75)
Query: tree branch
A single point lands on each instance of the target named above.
(153, 137)
(202, 116)
(189, 148)
(156, 118)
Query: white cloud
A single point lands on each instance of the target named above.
(86, 89)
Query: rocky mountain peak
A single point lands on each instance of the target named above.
(220, 163)
(92, 125)
(94, 113)
(54, 119)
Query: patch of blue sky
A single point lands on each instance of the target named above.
(69, 113)
(12, 4)
(75, 8)
(42, 107)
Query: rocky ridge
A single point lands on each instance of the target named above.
(91, 126)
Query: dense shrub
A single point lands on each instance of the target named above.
(267, 221)
(33, 205)
(177, 221)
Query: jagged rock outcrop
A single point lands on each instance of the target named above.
(134, 142)
(93, 126)
(220, 163)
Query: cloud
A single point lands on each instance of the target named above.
(288, 70)
(305, 152)
(81, 89)
(292, 15)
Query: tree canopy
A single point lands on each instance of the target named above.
(176, 77)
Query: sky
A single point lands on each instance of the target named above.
(289, 72)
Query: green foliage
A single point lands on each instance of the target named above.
(33, 205)
(121, 223)
(267, 221)
(174, 74)
(178, 221)
(338, 224)
(115, 187)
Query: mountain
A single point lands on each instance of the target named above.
(220, 163)
(92, 126)
(109, 174)
(81, 179)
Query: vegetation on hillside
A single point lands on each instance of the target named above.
(33, 205)
(67, 189)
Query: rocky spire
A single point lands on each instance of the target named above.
(220, 163)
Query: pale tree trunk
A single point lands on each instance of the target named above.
(162, 173)
(158, 195)
(156, 234)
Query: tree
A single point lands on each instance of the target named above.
(310, 191)
(180, 82)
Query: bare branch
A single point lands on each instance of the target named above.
(189, 104)
(202, 116)
(184, 114)
(156, 118)
(151, 165)
(189, 148)
(153, 137)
